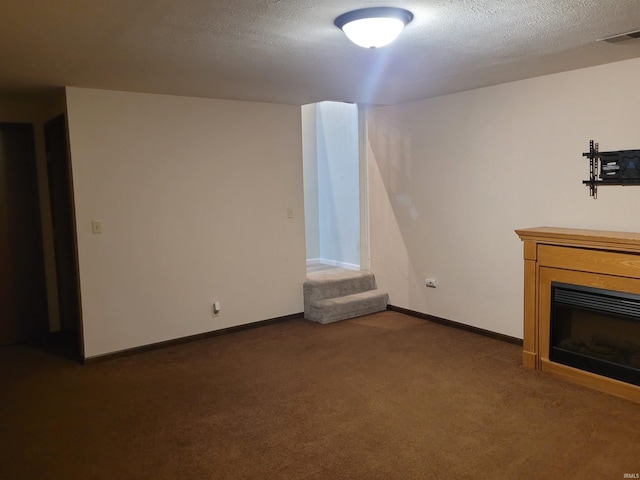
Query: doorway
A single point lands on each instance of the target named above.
(23, 303)
(334, 185)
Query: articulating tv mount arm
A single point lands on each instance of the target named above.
(611, 168)
(593, 157)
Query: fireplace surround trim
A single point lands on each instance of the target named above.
(590, 258)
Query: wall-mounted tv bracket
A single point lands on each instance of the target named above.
(611, 168)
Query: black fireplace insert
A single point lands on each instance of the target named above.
(596, 330)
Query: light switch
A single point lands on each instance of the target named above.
(96, 227)
(289, 212)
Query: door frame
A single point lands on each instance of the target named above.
(70, 211)
(363, 144)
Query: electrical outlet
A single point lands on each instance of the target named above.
(215, 309)
(431, 282)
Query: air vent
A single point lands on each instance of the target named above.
(621, 37)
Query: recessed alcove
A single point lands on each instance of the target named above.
(565, 268)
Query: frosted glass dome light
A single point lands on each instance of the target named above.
(373, 27)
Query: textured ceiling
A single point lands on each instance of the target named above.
(289, 51)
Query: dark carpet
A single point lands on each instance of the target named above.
(384, 396)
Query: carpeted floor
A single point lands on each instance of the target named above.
(384, 396)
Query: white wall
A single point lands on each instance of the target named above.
(338, 182)
(452, 177)
(193, 196)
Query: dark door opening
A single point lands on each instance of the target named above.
(23, 302)
(64, 231)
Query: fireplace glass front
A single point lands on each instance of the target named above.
(596, 330)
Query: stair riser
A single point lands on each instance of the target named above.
(334, 314)
(340, 308)
(338, 288)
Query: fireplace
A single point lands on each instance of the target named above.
(596, 330)
(582, 307)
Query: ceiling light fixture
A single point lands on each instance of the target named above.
(373, 27)
(620, 37)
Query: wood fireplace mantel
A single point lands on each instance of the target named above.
(591, 258)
